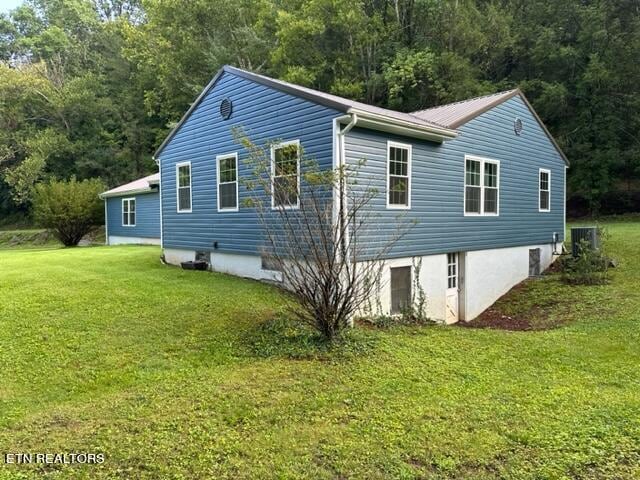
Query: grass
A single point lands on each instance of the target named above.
(39, 238)
(182, 374)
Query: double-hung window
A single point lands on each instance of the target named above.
(227, 182)
(398, 175)
(129, 212)
(481, 186)
(544, 187)
(285, 175)
(183, 184)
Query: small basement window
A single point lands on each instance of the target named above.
(400, 289)
(544, 181)
(270, 263)
(129, 212)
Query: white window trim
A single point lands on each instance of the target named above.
(273, 173)
(482, 161)
(233, 155)
(178, 165)
(548, 172)
(128, 212)
(408, 147)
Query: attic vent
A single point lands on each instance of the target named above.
(226, 108)
(517, 126)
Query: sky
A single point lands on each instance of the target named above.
(6, 5)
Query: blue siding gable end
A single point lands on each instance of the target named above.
(437, 185)
(265, 114)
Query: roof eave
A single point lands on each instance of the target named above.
(109, 194)
(184, 118)
(401, 127)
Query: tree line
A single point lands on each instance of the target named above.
(89, 88)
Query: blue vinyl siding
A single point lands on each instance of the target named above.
(147, 216)
(265, 114)
(437, 186)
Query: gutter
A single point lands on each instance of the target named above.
(128, 192)
(403, 127)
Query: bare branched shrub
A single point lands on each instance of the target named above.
(313, 225)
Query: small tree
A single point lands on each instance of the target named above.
(312, 227)
(69, 208)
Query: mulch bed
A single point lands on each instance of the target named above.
(493, 318)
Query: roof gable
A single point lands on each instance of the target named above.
(335, 102)
(454, 115)
(142, 185)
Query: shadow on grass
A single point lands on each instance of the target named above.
(283, 337)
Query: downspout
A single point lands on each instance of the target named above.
(106, 222)
(342, 206)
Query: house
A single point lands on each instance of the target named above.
(483, 179)
(132, 212)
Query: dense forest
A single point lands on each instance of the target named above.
(90, 87)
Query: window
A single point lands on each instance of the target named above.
(398, 175)
(452, 270)
(400, 289)
(183, 184)
(285, 170)
(544, 202)
(129, 212)
(227, 182)
(481, 186)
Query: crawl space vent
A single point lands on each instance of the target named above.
(226, 107)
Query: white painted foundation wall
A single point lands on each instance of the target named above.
(249, 266)
(118, 240)
(485, 277)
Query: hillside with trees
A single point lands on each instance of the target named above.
(89, 88)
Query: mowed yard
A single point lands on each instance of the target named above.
(181, 374)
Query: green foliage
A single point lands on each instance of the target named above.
(113, 77)
(69, 208)
(107, 350)
(589, 267)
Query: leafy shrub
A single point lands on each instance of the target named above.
(69, 208)
(284, 337)
(589, 267)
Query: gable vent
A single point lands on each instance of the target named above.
(517, 126)
(226, 107)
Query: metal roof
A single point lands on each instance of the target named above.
(332, 101)
(455, 114)
(142, 185)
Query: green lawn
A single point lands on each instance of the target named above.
(176, 374)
